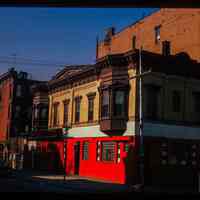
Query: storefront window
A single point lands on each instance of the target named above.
(108, 151)
(85, 151)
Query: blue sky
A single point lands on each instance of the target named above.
(55, 36)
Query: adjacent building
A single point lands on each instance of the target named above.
(15, 110)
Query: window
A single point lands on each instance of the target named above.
(77, 108)
(19, 91)
(196, 100)
(166, 48)
(91, 106)
(55, 114)
(157, 34)
(151, 101)
(133, 42)
(176, 101)
(65, 110)
(108, 151)
(36, 113)
(85, 151)
(17, 111)
(44, 113)
(119, 103)
(105, 104)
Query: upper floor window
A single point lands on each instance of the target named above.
(91, 97)
(134, 42)
(17, 111)
(77, 108)
(119, 103)
(36, 113)
(196, 100)
(157, 34)
(19, 91)
(166, 48)
(44, 113)
(151, 101)
(55, 114)
(105, 104)
(66, 112)
(176, 101)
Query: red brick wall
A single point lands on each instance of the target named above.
(180, 26)
(5, 88)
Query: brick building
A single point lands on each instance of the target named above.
(178, 27)
(16, 110)
(93, 109)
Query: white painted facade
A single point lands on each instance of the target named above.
(149, 129)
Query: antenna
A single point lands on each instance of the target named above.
(14, 60)
(97, 47)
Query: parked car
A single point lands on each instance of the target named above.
(5, 170)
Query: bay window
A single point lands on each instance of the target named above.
(119, 103)
(113, 109)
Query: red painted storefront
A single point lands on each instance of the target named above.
(112, 171)
(122, 170)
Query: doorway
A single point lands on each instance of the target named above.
(76, 158)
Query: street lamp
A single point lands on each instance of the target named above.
(141, 147)
(141, 143)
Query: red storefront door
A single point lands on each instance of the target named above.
(76, 158)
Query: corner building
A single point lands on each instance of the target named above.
(96, 106)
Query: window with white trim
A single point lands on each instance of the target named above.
(108, 151)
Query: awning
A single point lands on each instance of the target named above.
(46, 134)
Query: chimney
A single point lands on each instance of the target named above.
(109, 33)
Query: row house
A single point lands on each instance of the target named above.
(15, 110)
(93, 110)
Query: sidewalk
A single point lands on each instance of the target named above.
(71, 183)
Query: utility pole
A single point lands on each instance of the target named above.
(141, 142)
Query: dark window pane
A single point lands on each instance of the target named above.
(55, 114)
(119, 103)
(90, 109)
(157, 34)
(166, 48)
(134, 42)
(151, 102)
(196, 100)
(176, 101)
(105, 104)
(65, 117)
(77, 110)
